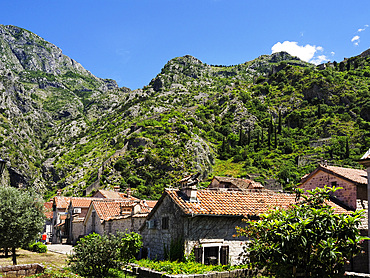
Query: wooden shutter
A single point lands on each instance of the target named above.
(198, 252)
(224, 255)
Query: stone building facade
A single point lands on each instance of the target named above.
(110, 216)
(205, 221)
(353, 182)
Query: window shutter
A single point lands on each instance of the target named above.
(224, 255)
(198, 252)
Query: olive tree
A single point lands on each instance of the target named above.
(309, 238)
(21, 218)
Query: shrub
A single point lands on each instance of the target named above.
(39, 247)
(95, 255)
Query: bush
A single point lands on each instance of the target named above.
(94, 255)
(39, 247)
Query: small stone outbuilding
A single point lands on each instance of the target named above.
(230, 183)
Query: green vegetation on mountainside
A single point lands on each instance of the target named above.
(277, 127)
(272, 118)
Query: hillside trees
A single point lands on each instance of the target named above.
(21, 218)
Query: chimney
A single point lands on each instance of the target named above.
(189, 188)
(116, 188)
(59, 192)
(128, 192)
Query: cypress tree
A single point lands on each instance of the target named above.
(258, 141)
(280, 125)
(347, 148)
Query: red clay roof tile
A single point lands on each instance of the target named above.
(236, 203)
(355, 175)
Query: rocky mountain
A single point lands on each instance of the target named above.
(272, 119)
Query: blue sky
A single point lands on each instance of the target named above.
(130, 41)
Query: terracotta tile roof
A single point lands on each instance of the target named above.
(240, 183)
(48, 210)
(81, 202)
(151, 204)
(109, 194)
(355, 175)
(62, 202)
(106, 209)
(235, 203)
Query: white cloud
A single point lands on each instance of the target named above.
(355, 38)
(319, 60)
(305, 53)
(362, 29)
(332, 53)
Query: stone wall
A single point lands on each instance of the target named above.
(348, 195)
(155, 239)
(77, 230)
(96, 228)
(21, 270)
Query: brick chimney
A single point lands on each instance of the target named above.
(128, 192)
(59, 192)
(189, 187)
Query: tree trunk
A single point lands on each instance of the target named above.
(6, 251)
(14, 256)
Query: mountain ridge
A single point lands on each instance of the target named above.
(62, 127)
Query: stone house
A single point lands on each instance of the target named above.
(230, 183)
(107, 216)
(353, 182)
(60, 206)
(353, 196)
(116, 194)
(69, 213)
(206, 220)
(77, 210)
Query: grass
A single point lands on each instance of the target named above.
(48, 259)
(227, 167)
(55, 263)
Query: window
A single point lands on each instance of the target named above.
(334, 183)
(212, 255)
(165, 223)
(109, 228)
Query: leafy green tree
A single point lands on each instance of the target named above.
(307, 238)
(93, 256)
(128, 246)
(21, 218)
